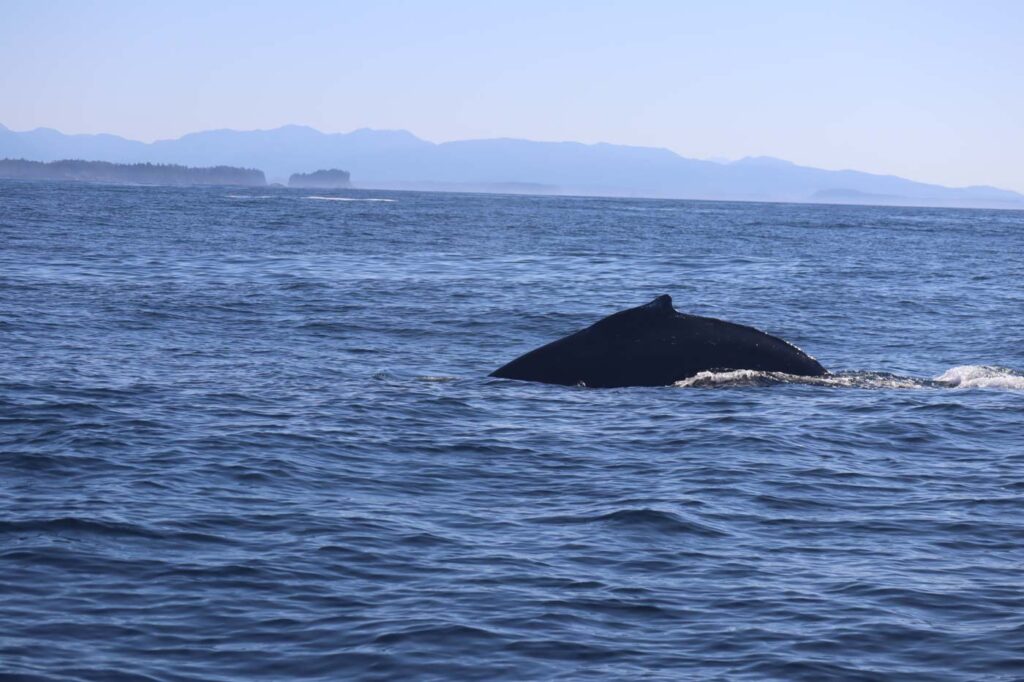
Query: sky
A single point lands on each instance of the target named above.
(929, 90)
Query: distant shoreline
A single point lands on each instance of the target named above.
(74, 170)
(398, 159)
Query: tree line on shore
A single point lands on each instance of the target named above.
(135, 173)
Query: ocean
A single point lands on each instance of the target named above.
(249, 434)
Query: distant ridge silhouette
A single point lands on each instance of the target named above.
(399, 159)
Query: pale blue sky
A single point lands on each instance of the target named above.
(933, 91)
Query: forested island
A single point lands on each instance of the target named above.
(321, 179)
(135, 173)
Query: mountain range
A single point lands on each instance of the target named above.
(398, 159)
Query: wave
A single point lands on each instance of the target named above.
(642, 518)
(249, 196)
(982, 376)
(320, 198)
(82, 526)
(965, 376)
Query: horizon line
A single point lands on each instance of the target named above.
(709, 160)
(712, 160)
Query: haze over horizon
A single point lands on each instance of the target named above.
(920, 90)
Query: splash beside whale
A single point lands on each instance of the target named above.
(654, 345)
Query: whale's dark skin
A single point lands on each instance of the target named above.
(653, 345)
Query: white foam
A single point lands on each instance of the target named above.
(249, 196)
(319, 198)
(736, 377)
(967, 376)
(982, 376)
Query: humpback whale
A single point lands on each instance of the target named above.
(654, 345)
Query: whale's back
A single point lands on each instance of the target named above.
(653, 345)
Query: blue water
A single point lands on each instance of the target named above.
(249, 435)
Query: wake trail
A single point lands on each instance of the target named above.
(964, 376)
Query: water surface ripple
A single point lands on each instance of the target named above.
(250, 436)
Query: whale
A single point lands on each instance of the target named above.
(655, 345)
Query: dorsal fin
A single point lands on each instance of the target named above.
(661, 305)
(657, 310)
